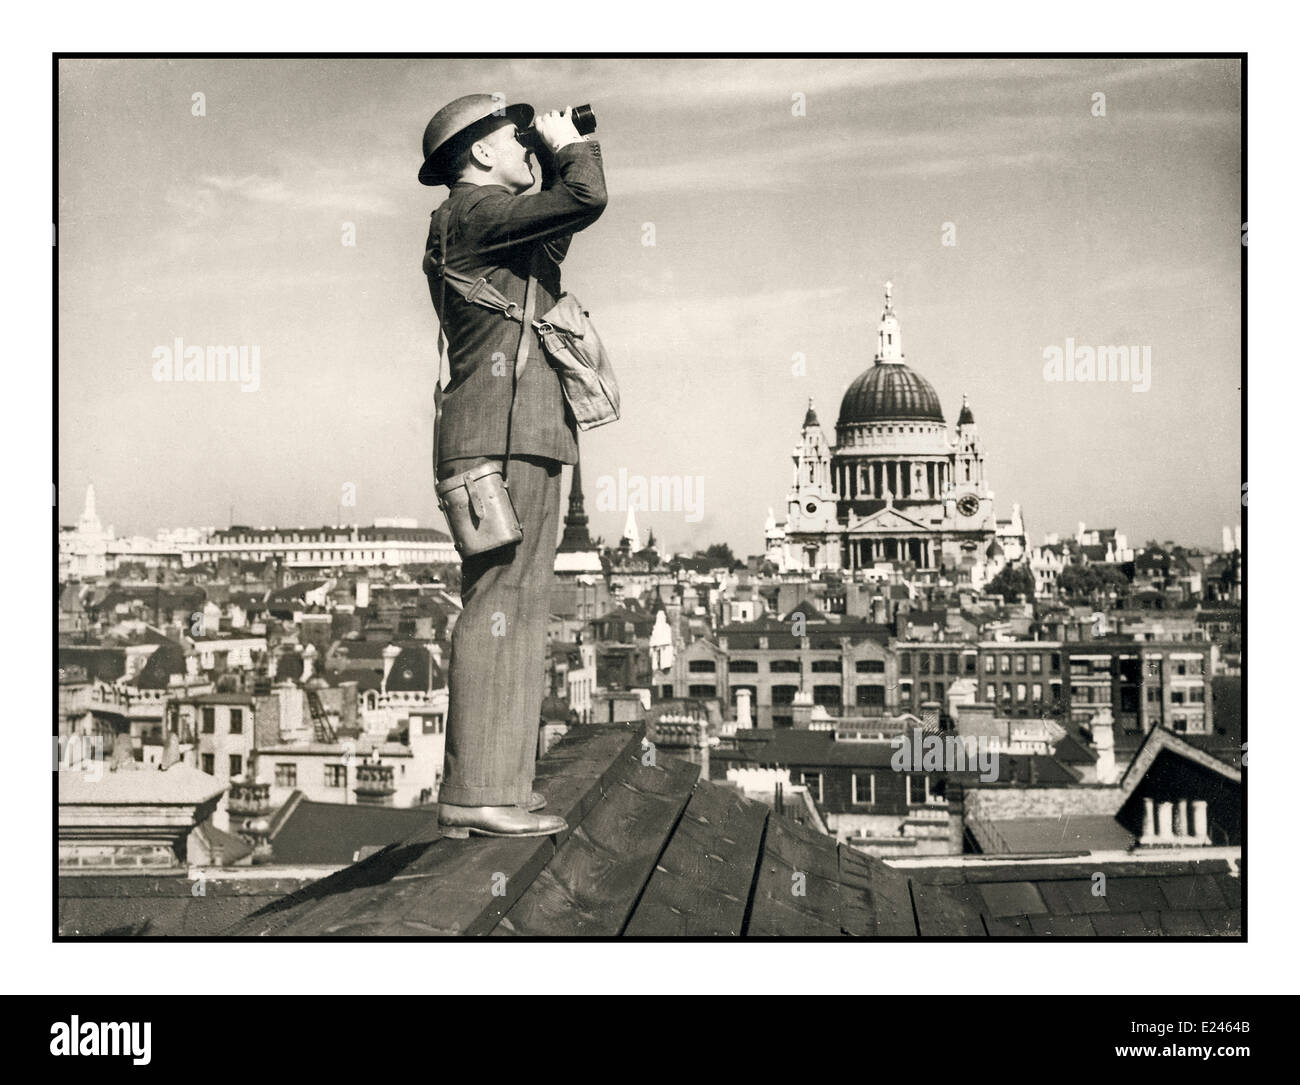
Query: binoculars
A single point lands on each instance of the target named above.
(584, 120)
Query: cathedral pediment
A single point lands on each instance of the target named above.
(888, 519)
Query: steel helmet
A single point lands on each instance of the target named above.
(454, 119)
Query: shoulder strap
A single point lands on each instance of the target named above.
(480, 292)
(521, 360)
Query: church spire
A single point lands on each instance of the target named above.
(576, 537)
(889, 338)
(631, 532)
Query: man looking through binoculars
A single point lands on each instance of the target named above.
(496, 230)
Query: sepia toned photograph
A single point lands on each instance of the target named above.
(650, 497)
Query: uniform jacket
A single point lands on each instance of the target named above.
(497, 235)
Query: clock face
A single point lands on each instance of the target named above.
(968, 505)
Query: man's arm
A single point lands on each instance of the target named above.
(556, 248)
(573, 202)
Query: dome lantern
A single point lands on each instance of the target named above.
(889, 337)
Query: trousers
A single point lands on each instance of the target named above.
(498, 647)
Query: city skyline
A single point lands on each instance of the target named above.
(227, 228)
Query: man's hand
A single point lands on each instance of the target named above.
(556, 129)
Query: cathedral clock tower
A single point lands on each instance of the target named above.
(811, 502)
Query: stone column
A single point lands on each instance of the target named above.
(1181, 827)
(1148, 819)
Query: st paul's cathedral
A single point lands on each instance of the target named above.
(895, 488)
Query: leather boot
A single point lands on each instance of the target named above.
(460, 822)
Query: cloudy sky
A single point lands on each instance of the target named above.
(773, 234)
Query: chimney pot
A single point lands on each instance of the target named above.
(1148, 819)
(1164, 820)
(1200, 828)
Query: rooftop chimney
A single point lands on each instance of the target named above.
(744, 718)
(1171, 824)
(391, 652)
(1103, 743)
(374, 784)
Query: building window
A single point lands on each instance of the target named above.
(236, 721)
(209, 721)
(433, 724)
(703, 691)
(236, 765)
(1038, 692)
(1020, 691)
(827, 696)
(870, 666)
(1036, 664)
(925, 662)
(336, 776)
(991, 693)
(1006, 692)
(1020, 664)
(744, 666)
(702, 666)
(864, 788)
(286, 775)
(826, 666)
(784, 666)
(990, 665)
(905, 663)
(970, 664)
(1196, 695)
(813, 782)
(784, 694)
(209, 764)
(1056, 662)
(1006, 664)
(1180, 724)
(918, 790)
(952, 662)
(1176, 696)
(871, 696)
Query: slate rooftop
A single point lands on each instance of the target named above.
(655, 851)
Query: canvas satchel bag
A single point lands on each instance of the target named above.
(570, 341)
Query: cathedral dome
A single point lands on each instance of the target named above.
(890, 392)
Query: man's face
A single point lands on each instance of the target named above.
(513, 163)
